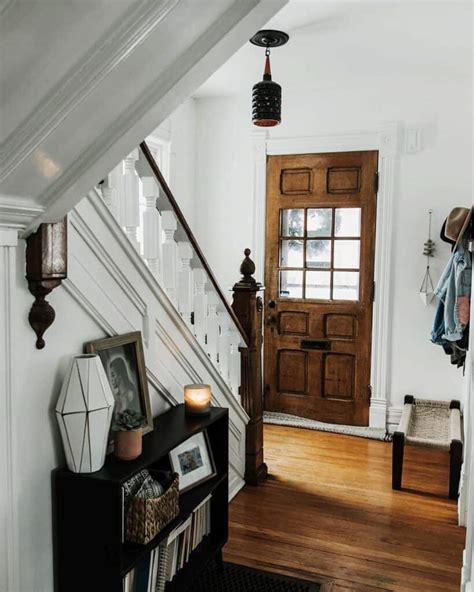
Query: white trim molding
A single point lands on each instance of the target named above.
(9, 537)
(386, 140)
(394, 415)
(17, 212)
(114, 286)
(466, 501)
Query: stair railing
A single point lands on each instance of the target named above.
(139, 197)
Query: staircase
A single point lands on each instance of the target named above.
(135, 264)
(78, 99)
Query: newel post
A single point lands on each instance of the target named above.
(247, 305)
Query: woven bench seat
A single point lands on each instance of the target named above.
(433, 424)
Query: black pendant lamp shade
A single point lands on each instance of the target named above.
(266, 95)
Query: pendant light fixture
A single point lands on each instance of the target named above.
(266, 95)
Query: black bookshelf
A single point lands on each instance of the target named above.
(89, 552)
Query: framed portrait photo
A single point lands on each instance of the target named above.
(193, 461)
(124, 364)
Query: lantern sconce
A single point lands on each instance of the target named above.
(266, 94)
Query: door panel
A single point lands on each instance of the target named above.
(320, 241)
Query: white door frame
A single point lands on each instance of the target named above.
(385, 140)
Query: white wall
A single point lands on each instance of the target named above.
(438, 177)
(35, 445)
(182, 128)
(224, 185)
(109, 291)
(431, 179)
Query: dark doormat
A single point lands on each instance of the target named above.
(238, 578)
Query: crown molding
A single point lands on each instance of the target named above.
(79, 82)
(385, 138)
(17, 213)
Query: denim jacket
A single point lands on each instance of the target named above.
(453, 286)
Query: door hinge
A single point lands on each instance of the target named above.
(372, 296)
(266, 392)
(369, 392)
(376, 182)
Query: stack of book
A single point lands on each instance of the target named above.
(161, 565)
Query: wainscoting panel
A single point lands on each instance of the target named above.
(111, 282)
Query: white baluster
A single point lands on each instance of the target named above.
(170, 254)
(224, 347)
(109, 195)
(152, 231)
(200, 305)
(185, 281)
(234, 362)
(213, 327)
(129, 205)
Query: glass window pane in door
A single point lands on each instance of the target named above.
(347, 254)
(319, 222)
(347, 222)
(291, 284)
(292, 223)
(345, 285)
(318, 285)
(318, 253)
(291, 253)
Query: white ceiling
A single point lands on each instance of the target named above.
(341, 44)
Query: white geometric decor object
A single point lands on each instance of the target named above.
(84, 412)
(426, 297)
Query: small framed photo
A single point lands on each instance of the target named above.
(193, 461)
(124, 364)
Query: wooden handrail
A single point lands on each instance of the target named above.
(182, 220)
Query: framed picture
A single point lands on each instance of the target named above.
(193, 461)
(124, 364)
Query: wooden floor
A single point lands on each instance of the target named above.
(328, 514)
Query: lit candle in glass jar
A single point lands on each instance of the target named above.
(197, 399)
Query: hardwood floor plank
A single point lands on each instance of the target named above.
(328, 513)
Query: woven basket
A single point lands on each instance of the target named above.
(146, 517)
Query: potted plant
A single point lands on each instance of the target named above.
(127, 426)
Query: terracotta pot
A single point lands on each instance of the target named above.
(128, 445)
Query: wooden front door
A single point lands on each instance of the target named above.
(320, 242)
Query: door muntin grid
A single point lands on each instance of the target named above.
(320, 253)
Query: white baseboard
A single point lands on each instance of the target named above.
(235, 485)
(393, 418)
(378, 413)
(466, 584)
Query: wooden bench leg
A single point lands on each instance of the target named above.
(455, 468)
(397, 459)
